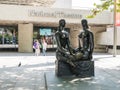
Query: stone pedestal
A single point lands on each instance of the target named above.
(25, 37)
(83, 69)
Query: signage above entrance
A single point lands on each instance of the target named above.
(54, 14)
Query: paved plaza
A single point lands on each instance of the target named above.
(38, 73)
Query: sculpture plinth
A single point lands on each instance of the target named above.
(83, 69)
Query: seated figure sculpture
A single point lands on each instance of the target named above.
(69, 59)
(64, 50)
(86, 41)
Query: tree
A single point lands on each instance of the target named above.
(105, 5)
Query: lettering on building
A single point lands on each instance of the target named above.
(54, 14)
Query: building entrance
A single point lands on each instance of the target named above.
(48, 34)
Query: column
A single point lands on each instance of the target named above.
(25, 37)
(74, 32)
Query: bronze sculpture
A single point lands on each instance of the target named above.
(87, 39)
(64, 50)
(69, 58)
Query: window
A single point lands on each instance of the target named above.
(8, 35)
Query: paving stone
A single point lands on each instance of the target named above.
(30, 75)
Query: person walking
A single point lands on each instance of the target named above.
(37, 47)
(44, 47)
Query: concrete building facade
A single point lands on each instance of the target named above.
(28, 18)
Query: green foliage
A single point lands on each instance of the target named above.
(105, 5)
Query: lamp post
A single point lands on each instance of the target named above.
(114, 32)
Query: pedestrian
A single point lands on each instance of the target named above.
(36, 46)
(44, 47)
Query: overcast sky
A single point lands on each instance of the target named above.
(84, 3)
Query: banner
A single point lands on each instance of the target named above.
(117, 23)
(118, 19)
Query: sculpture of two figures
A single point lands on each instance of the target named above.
(72, 61)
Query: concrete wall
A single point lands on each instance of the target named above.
(32, 14)
(106, 38)
(62, 4)
(96, 31)
(25, 38)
